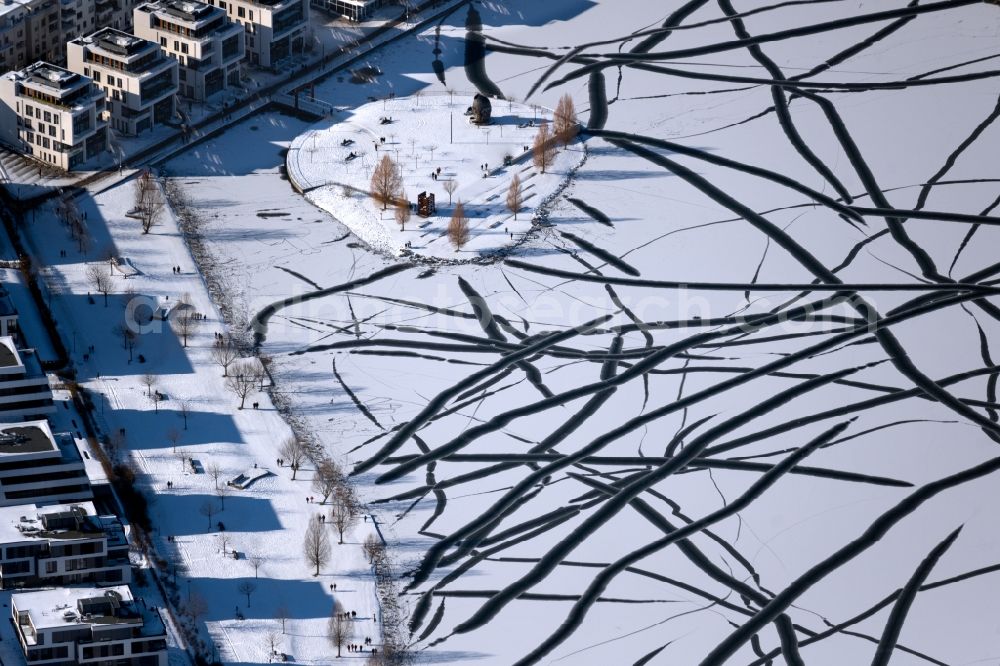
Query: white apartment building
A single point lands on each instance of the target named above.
(24, 387)
(207, 45)
(275, 28)
(30, 30)
(99, 626)
(354, 10)
(61, 544)
(37, 467)
(53, 115)
(140, 81)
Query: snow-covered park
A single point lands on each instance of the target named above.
(436, 147)
(734, 402)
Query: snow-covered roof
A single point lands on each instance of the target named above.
(20, 523)
(61, 606)
(17, 439)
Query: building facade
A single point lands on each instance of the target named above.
(8, 315)
(207, 45)
(61, 544)
(353, 10)
(53, 115)
(24, 388)
(38, 467)
(140, 81)
(30, 30)
(99, 626)
(275, 29)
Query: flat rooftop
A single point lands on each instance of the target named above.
(61, 606)
(22, 523)
(115, 42)
(187, 9)
(113, 605)
(50, 76)
(28, 437)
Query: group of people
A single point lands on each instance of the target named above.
(176, 270)
(354, 647)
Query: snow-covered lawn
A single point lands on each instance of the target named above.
(359, 365)
(433, 143)
(269, 517)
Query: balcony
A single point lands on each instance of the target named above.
(156, 90)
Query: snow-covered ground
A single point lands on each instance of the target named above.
(269, 517)
(433, 143)
(525, 553)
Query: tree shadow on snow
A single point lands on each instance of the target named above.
(243, 513)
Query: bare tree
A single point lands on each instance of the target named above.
(256, 560)
(450, 186)
(339, 629)
(515, 195)
(149, 201)
(294, 453)
(281, 614)
(458, 227)
(114, 445)
(543, 151)
(184, 322)
(316, 546)
(108, 255)
(327, 478)
(242, 382)
(345, 510)
(197, 607)
(274, 641)
(185, 408)
(157, 399)
(221, 492)
(224, 541)
(373, 548)
(149, 380)
(208, 509)
(247, 587)
(173, 436)
(387, 181)
(402, 213)
(214, 471)
(100, 281)
(224, 355)
(431, 148)
(565, 124)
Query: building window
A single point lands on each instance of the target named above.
(86, 71)
(251, 14)
(184, 48)
(163, 42)
(177, 45)
(241, 12)
(97, 76)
